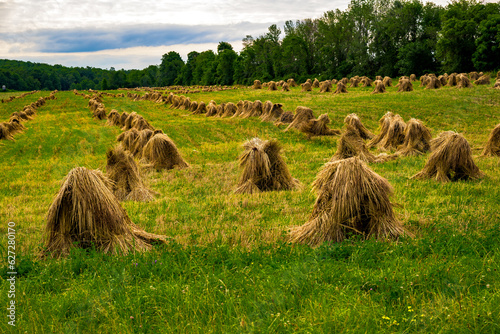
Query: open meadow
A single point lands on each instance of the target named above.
(228, 265)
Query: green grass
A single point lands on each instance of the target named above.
(229, 267)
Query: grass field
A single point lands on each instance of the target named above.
(229, 267)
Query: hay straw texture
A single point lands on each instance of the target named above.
(263, 168)
(395, 135)
(272, 112)
(5, 134)
(463, 82)
(352, 199)
(306, 86)
(417, 139)
(492, 147)
(354, 121)
(285, 118)
(201, 109)
(496, 85)
(384, 124)
(302, 116)
(257, 84)
(340, 88)
(325, 86)
(285, 87)
(122, 169)
(452, 80)
(405, 85)
(86, 212)
(291, 82)
(379, 87)
(113, 118)
(318, 127)
(272, 86)
(139, 142)
(450, 160)
(483, 80)
(127, 138)
(351, 144)
(161, 153)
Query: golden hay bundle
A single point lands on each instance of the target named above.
(200, 109)
(127, 138)
(99, 113)
(254, 109)
(452, 80)
(483, 80)
(318, 127)
(280, 83)
(302, 116)
(378, 77)
(306, 87)
(325, 86)
(229, 109)
(122, 169)
(186, 104)
(384, 124)
(14, 125)
(344, 81)
(291, 82)
(450, 160)
(417, 139)
(257, 84)
(29, 110)
(387, 82)
(315, 83)
(395, 135)
(86, 214)
(413, 77)
(220, 109)
(433, 83)
(474, 75)
(351, 144)
(334, 81)
(463, 82)
(405, 85)
(123, 118)
(354, 82)
(113, 118)
(140, 123)
(271, 112)
(285, 118)
(128, 121)
(161, 153)
(379, 87)
(443, 80)
(4, 132)
(176, 101)
(366, 82)
(272, 86)
(21, 115)
(239, 108)
(497, 84)
(140, 141)
(285, 87)
(492, 147)
(340, 88)
(211, 109)
(354, 121)
(193, 106)
(352, 199)
(264, 169)
(498, 75)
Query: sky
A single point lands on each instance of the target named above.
(133, 34)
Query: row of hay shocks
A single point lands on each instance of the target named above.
(429, 81)
(15, 125)
(177, 90)
(13, 97)
(365, 207)
(87, 208)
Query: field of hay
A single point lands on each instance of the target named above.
(229, 266)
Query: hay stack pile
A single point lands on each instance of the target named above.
(257, 84)
(86, 214)
(354, 121)
(417, 138)
(379, 87)
(352, 199)
(492, 147)
(483, 80)
(450, 160)
(404, 85)
(160, 152)
(340, 88)
(306, 87)
(264, 169)
(351, 144)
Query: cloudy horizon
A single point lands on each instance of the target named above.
(135, 34)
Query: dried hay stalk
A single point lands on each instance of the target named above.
(257, 84)
(379, 87)
(127, 138)
(351, 144)
(405, 85)
(497, 84)
(161, 153)
(291, 82)
(354, 121)
(450, 160)
(417, 139)
(395, 136)
(483, 80)
(387, 82)
(318, 127)
(122, 169)
(384, 124)
(264, 169)
(352, 199)
(492, 147)
(229, 109)
(285, 87)
(201, 109)
(325, 86)
(285, 118)
(272, 86)
(463, 82)
(272, 112)
(5, 134)
(113, 118)
(86, 212)
(306, 87)
(302, 115)
(140, 141)
(340, 88)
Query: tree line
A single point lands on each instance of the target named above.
(371, 37)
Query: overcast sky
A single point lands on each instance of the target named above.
(133, 34)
